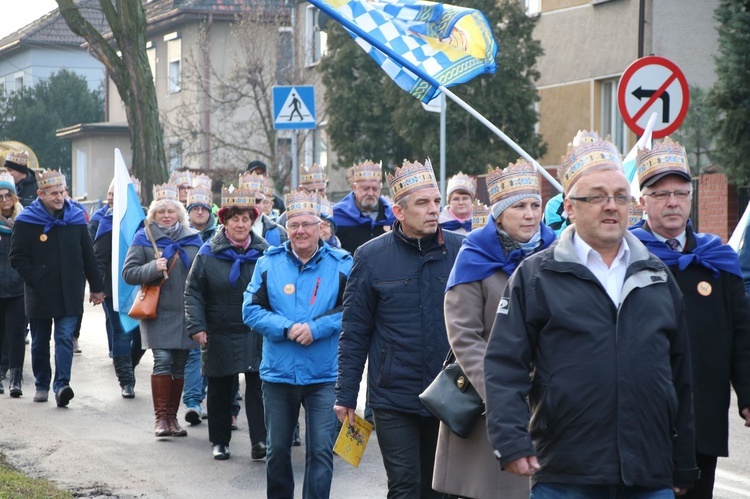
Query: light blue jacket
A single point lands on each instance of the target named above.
(283, 292)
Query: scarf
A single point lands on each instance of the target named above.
(168, 246)
(482, 254)
(708, 252)
(232, 255)
(7, 223)
(105, 223)
(37, 214)
(347, 214)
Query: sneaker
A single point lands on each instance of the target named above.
(193, 415)
(41, 396)
(76, 346)
(63, 396)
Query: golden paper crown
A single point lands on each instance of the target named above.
(367, 170)
(240, 198)
(587, 153)
(51, 178)
(18, 157)
(166, 191)
(313, 175)
(665, 158)
(462, 182)
(252, 182)
(326, 207)
(181, 178)
(302, 203)
(202, 181)
(136, 185)
(410, 178)
(635, 213)
(268, 187)
(480, 214)
(201, 196)
(517, 179)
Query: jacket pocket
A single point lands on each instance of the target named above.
(541, 400)
(673, 406)
(384, 370)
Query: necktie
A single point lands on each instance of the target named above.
(673, 244)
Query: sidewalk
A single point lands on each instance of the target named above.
(103, 445)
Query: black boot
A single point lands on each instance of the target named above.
(16, 380)
(124, 371)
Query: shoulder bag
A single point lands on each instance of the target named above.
(145, 303)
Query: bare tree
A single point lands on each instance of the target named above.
(124, 57)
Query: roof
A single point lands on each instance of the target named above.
(164, 10)
(52, 30)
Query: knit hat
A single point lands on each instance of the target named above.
(516, 182)
(665, 158)
(257, 164)
(17, 160)
(7, 182)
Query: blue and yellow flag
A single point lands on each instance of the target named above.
(420, 45)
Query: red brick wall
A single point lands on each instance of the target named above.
(717, 205)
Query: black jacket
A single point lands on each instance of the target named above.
(213, 305)
(27, 188)
(393, 313)
(53, 269)
(719, 327)
(609, 386)
(353, 237)
(11, 284)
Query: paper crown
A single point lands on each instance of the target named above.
(302, 203)
(239, 198)
(199, 196)
(326, 207)
(517, 179)
(50, 178)
(313, 175)
(665, 158)
(410, 178)
(635, 213)
(181, 179)
(202, 181)
(166, 191)
(136, 185)
(480, 214)
(587, 153)
(18, 157)
(367, 170)
(252, 182)
(7, 182)
(268, 187)
(462, 182)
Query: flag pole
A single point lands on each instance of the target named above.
(500, 134)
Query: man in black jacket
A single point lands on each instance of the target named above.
(17, 164)
(393, 318)
(717, 309)
(587, 367)
(52, 251)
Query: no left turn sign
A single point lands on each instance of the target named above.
(653, 84)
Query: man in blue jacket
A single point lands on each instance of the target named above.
(393, 314)
(294, 300)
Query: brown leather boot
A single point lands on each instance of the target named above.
(175, 395)
(160, 386)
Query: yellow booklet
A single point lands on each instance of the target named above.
(352, 440)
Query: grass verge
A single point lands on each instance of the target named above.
(15, 484)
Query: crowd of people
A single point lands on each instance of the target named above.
(604, 349)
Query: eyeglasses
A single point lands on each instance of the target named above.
(293, 226)
(664, 195)
(602, 199)
(6, 197)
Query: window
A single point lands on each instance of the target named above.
(81, 173)
(320, 146)
(285, 58)
(612, 124)
(151, 54)
(2, 86)
(18, 82)
(532, 6)
(175, 157)
(316, 40)
(174, 58)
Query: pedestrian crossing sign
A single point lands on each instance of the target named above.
(293, 107)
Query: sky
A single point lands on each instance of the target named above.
(17, 14)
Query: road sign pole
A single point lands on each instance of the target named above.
(295, 167)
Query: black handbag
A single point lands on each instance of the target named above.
(452, 399)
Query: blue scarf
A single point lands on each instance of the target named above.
(456, 224)
(169, 247)
(708, 252)
(37, 214)
(232, 255)
(105, 224)
(347, 214)
(98, 214)
(482, 255)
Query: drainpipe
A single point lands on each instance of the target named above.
(206, 105)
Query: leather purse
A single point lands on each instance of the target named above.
(452, 399)
(145, 303)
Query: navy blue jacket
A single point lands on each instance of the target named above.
(393, 313)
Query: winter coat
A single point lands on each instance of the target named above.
(719, 327)
(214, 305)
(27, 189)
(608, 385)
(354, 236)
(273, 233)
(168, 329)
(54, 267)
(467, 467)
(283, 292)
(210, 229)
(393, 317)
(12, 284)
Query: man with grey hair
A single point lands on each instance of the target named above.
(587, 368)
